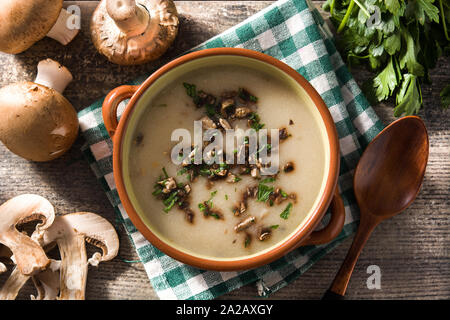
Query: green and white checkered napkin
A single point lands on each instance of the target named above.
(295, 33)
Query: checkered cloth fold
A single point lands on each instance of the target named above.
(295, 33)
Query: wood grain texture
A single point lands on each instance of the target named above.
(412, 249)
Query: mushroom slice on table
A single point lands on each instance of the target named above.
(37, 122)
(5, 254)
(70, 232)
(130, 32)
(27, 253)
(13, 285)
(24, 22)
(47, 282)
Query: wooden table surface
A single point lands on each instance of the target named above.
(412, 249)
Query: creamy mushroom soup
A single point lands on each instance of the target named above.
(227, 211)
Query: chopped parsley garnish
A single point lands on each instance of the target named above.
(286, 212)
(191, 90)
(165, 173)
(215, 215)
(275, 226)
(202, 207)
(210, 110)
(157, 191)
(264, 192)
(255, 121)
(170, 201)
(267, 180)
(226, 197)
(246, 96)
(247, 241)
(207, 204)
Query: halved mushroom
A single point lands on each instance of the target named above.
(27, 253)
(13, 285)
(130, 32)
(47, 282)
(37, 122)
(70, 232)
(5, 254)
(2, 268)
(24, 22)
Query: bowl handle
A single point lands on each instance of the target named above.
(110, 104)
(333, 228)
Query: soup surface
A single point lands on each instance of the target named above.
(206, 218)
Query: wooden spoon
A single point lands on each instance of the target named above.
(387, 180)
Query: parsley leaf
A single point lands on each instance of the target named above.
(386, 81)
(445, 97)
(409, 98)
(286, 212)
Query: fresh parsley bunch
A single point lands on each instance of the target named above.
(400, 40)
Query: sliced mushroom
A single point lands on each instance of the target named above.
(70, 232)
(37, 122)
(207, 123)
(255, 173)
(283, 134)
(17, 280)
(244, 224)
(225, 124)
(130, 32)
(47, 282)
(12, 286)
(242, 112)
(288, 167)
(27, 253)
(264, 234)
(169, 184)
(24, 22)
(226, 106)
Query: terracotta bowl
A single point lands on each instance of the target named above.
(304, 234)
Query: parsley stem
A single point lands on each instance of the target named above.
(332, 6)
(347, 15)
(444, 23)
(364, 10)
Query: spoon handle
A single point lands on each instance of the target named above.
(340, 282)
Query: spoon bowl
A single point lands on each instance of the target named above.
(387, 179)
(390, 171)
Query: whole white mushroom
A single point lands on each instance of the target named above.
(37, 122)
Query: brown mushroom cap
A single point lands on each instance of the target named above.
(24, 22)
(116, 38)
(37, 122)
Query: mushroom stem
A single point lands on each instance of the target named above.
(13, 285)
(53, 75)
(63, 31)
(47, 282)
(131, 18)
(74, 267)
(28, 254)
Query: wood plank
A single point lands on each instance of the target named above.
(412, 250)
